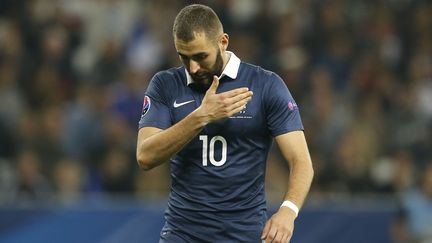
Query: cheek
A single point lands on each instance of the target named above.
(207, 66)
(210, 62)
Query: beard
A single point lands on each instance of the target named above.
(205, 78)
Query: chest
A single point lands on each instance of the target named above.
(250, 120)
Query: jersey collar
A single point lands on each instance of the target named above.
(231, 69)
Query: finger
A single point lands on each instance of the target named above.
(237, 110)
(214, 85)
(271, 234)
(234, 92)
(280, 236)
(239, 106)
(265, 230)
(287, 238)
(239, 97)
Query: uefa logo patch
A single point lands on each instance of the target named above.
(292, 105)
(146, 105)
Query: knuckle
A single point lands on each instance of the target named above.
(287, 232)
(273, 234)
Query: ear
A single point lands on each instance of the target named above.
(224, 41)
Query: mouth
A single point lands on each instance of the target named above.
(200, 77)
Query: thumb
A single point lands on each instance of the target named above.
(214, 85)
(266, 230)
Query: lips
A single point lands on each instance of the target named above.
(201, 74)
(200, 77)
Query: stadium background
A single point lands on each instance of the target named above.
(72, 80)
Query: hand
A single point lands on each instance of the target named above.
(279, 228)
(223, 105)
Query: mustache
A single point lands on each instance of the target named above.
(201, 75)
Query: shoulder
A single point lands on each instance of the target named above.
(261, 74)
(172, 74)
(265, 79)
(270, 84)
(164, 81)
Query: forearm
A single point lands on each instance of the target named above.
(279, 228)
(159, 147)
(294, 149)
(299, 182)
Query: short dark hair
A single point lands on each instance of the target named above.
(196, 18)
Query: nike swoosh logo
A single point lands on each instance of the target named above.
(176, 105)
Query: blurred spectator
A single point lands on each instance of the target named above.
(418, 205)
(117, 173)
(108, 67)
(50, 130)
(326, 116)
(32, 186)
(108, 21)
(11, 97)
(82, 136)
(394, 174)
(69, 180)
(7, 182)
(125, 96)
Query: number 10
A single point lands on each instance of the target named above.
(210, 153)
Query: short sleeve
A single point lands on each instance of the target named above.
(155, 111)
(282, 112)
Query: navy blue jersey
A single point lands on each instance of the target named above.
(217, 179)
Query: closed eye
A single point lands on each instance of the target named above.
(183, 57)
(197, 57)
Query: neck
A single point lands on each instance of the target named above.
(225, 58)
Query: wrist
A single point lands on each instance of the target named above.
(201, 117)
(291, 205)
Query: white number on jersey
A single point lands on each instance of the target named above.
(206, 154)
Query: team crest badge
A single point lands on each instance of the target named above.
(146, 105)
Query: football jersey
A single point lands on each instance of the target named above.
(217, 179)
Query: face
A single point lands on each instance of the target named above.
(201, 57)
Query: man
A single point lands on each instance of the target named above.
(215, 119)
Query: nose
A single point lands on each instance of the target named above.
(193, 66)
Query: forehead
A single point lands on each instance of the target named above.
(199, 44)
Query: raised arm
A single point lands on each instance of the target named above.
(155, 146)
(293, 146)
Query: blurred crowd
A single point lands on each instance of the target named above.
(73, 76)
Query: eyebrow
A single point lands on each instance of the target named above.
(194, 55)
